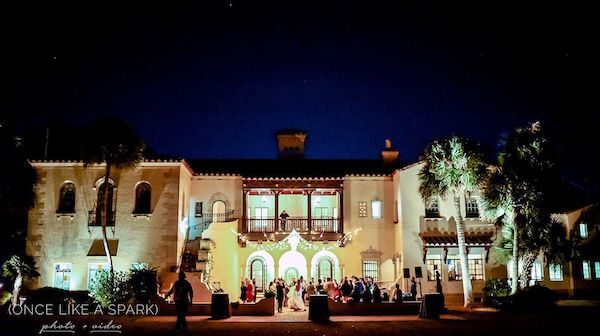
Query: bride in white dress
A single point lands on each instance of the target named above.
(297, 300)
(291, 295)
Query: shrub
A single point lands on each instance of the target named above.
(104, 291)
(531, 299)
(496, 292)
(142, 284)
(56, 296)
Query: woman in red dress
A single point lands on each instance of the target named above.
(249, 291)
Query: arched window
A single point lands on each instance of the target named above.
(325, 268)
(258, 272)
(143, 196)
(66, 202)
(110, 214)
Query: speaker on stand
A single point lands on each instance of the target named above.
(406, 276)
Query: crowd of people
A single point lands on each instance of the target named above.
(296, 294)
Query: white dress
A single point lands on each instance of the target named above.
(298, 302)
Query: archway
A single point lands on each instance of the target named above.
(260, 265)
(292, 263)
(325, 264)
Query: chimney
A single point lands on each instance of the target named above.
(389, 155)
(290, 143)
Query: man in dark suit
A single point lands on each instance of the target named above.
(280, 289)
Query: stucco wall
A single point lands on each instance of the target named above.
(66, 239)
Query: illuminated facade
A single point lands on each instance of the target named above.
(222, 221)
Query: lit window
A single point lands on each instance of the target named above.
(62, 276)
(376, 209)
(537, 273)
(94, 270)
(586, 270)
(67, 199)
(433, 263)
(476, 266)
(432, 207)
(583, 230)
(597, 269)
(362, 209)
(556, 272)
(454, 270)
(371, 269)
(472, 207)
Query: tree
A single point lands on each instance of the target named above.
(18, 268)
(454, 168)
(110, 141)
(514, 197)
(17, 190)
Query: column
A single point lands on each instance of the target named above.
(276, 227)
(244, 222)
(341, 212)
(309, 192)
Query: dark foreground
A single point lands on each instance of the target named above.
(457, 322)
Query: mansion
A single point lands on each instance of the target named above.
(226, 220)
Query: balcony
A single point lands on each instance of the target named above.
(271, 213)
(301, 225)
(96, 219)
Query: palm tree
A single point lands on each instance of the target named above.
(513, 197)
(111, 141)
(17, 268)
(454, 167)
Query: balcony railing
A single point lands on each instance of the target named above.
(96, 219)
(299, 224)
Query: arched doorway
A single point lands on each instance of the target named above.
(258, 272)
(218, 207)
(260, 265)
(292, 264)
(325, 268)
(325, 264)
(290, 273)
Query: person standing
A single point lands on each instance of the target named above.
(413, 288)
(182, 294)
(376, 293)
(284, 215)
(243, 291)
(397, 294)
(255, 290)
(249, 291)
(438, 283)
(280, 292)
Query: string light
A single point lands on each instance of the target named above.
(302, 244)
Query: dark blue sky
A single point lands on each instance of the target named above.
(216, 81)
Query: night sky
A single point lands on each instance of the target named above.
(218, 79)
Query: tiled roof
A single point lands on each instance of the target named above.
(301, 168)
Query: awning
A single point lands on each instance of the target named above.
(97, 248)
(445, 240)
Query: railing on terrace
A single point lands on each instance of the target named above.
(289, 224)
(205, 219)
